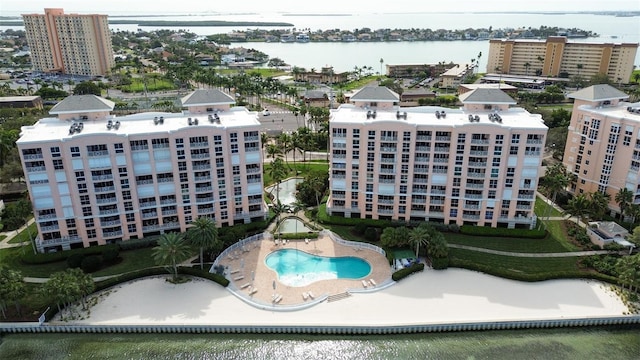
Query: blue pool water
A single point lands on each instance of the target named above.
(298, 268)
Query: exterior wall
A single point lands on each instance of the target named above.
(603, 149)
(102, 186)
(557, 55)
(428, 169)
(56, 46)
(205, 109)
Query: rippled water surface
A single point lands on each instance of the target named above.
(598, 343)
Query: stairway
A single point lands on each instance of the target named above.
(337, 297)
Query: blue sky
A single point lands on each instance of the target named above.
(113, 7)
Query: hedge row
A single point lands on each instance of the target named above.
(33, 259)
(403, 273)
(502, 232)
(296, 236)
(503, 273)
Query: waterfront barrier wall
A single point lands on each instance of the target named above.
(8, 328)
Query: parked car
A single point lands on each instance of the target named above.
(266, 112)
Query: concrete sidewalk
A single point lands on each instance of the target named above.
(4, 244)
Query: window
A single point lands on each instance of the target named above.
(513, 150)
(88, 223)
(118, 147)
(55, 151)
(75, 151)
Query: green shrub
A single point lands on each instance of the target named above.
(220, 279)
(138, 243)
(403, 273)
(109, 256)
(440, 263)
(75, 260)
(91, 263)
(371, 234)
(359, 229)
(502, 232)
(33, 259)
(454, 228)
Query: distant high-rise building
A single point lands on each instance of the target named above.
(603, 143)
(558, 57)
(69, 43)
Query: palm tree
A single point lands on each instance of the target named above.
(420, 236)
(526, 68)
(277, 172)
(204, 234)
(579, 67)
(437, 247)
(624, 198)
(599, 204)
(555, 180)
(578, 207)
(390, 237)
(285, 142)
(171, 250)
(274, 151)
(12, 288)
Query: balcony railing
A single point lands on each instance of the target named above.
(479, 141)
(102, 177)
(443, 138)
(50, 228)
(147, 204)
(202, 167)
(107, 200)
(423, 137)
(167, 201)
(204, 200)
(199, 144)
(105, 189)
(33, 156)
(36, 168)
(148, 215)
(108, 212)
(203, 178)
(98, 153)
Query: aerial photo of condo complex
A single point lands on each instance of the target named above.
(268, 174)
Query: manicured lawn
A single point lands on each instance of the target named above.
(541, 209)
(11, 257)
(515, 266)
(556, 229)
(2, 237)
(24, 235)
(131, 260)
(549, 244)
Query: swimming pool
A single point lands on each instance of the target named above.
(298, 268)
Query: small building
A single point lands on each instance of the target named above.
(453, 77)
(608, 232)
(411, 97)
(21, 102)
(509, 89)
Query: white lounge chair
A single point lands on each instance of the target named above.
(373, 282)
(239, 277)
(305, 296)
(306, 241)
(311, 295)
(253, 291)
(235, 271)
(245, 285)
(365, 283)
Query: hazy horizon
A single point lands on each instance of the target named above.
(196, 7)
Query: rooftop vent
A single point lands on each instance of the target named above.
(116, 125)
(371, 114)
(441, 114)
(400, 115)
(633, 110)
(109, 124)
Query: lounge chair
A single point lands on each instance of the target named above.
(239, 277)
(365, 283)
(277, 299)
(234, 271)
(305, 296)
(306, 241)
(253, 291)
(245, 285)
(373, 283)
(311, 295)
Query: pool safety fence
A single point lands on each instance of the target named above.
(7, 328)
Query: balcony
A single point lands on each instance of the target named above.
(339, 156)
(144, 182)
(203, 178)
(388, 160)
(473, 196)
(36, 168)
(388, 149)
(470, 217)
(388, 171)
(523, 207)
(437, 214)
(65, 240)
(251, 138)
(443, 138)
(255, 201)
(165, 180)
(252, 170)
(439, 171)
(148, 204)
(108, 200)
(478, 164)
(204, 200)
(534, 142)
(480, 141)
(423, 138)
(436, 202)
(476, 175)
(478, 153)
(338, 196)
(440, 149)
(49, 228)
(338, 176)
(474, 186)
(139, 147)
(422, 159)
(47, 216)
(423, 148)
(202, 167)
(110, 223)
(440, 160)
(169, 212)
(387, 181)
(167, 202)
(199, 144)
(108, 212)
(200, 156)
(105, 189)
(385, 201)
(388, 138)
(471, 206)
(200, 189)
(33, 156)
(419, 201)
(102, 177)
(438, 192)
(98, 153)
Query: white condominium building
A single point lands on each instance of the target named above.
(69, 43)
(95, 178)
(476, 165)
(603, 143)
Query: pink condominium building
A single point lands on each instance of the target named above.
(95, 178)
(476, 165)
(603, 144)
(69, 43)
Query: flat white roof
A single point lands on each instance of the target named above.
(425, 115)
(50, 129)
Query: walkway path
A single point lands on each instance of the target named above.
(4, 244)
(532, 255)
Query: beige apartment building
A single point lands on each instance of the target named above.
(476, 165)
(95, 178)
(603, 144)
(69, 43)
(558, 57)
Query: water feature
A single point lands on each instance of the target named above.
(293, 225)
(287, 191)
(298, 268)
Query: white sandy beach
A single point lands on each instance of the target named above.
(449, 296)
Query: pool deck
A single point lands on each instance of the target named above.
(253, 260)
